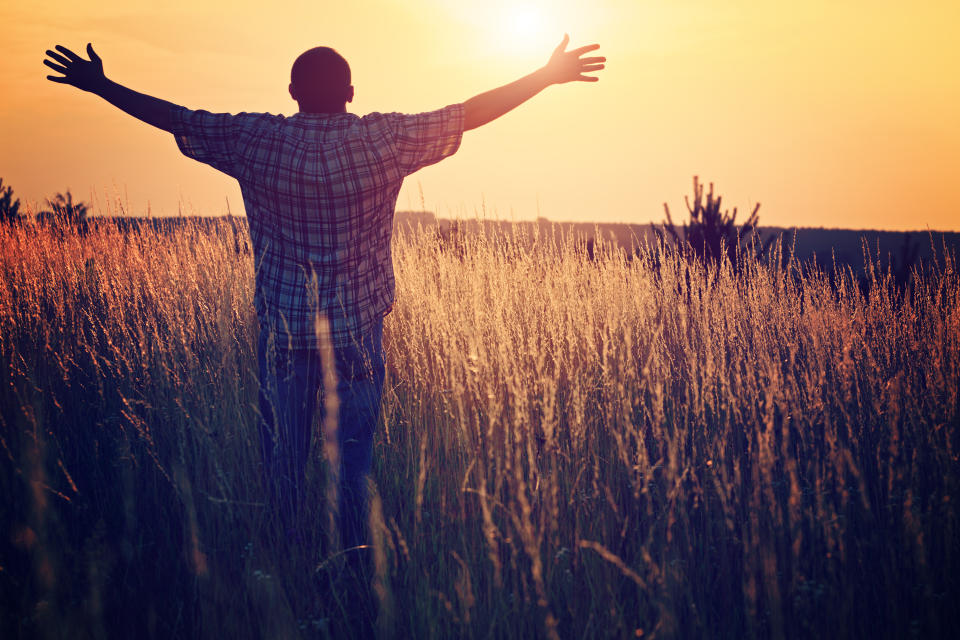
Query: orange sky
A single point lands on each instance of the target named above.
(836, 114)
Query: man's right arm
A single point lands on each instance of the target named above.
(563, 66)
(88, 75)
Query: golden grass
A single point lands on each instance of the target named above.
(570, 448)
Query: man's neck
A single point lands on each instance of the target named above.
(322, 110)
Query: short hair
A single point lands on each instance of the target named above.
(320, 72)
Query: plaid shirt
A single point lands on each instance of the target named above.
(320, 193)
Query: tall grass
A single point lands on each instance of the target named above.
(570, 448)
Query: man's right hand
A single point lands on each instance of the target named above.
(82, 74)
(568, 66)
(88, 75)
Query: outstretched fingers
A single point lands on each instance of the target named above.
(70, 54)
(579, 51)
(56, 67)
(93, 54)
(588, 65)
(57, 57)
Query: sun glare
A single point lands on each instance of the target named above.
(512, 28)
(522, 28)
(522, 21)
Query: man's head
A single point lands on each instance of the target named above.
(320, 81)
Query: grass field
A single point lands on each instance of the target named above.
(570, 448)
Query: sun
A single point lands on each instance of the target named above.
(522, 21)
(523, 28)
(512, 28)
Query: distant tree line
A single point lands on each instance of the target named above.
(710, 235)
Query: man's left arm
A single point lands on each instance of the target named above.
(563, 66)
(88, 75)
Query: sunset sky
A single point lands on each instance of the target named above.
(830, 113)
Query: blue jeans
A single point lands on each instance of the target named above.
(290, 383)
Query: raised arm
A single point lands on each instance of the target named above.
(88, 75)
(563, 66)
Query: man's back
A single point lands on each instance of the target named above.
(320, 187)
(320, 192)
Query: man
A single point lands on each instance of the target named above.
(320, 188)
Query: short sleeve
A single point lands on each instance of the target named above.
(212, 138)
(425, 138)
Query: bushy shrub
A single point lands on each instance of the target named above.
(712, 235)
(64, 209)
(9, 207)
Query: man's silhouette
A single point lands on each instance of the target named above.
(320, 188)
